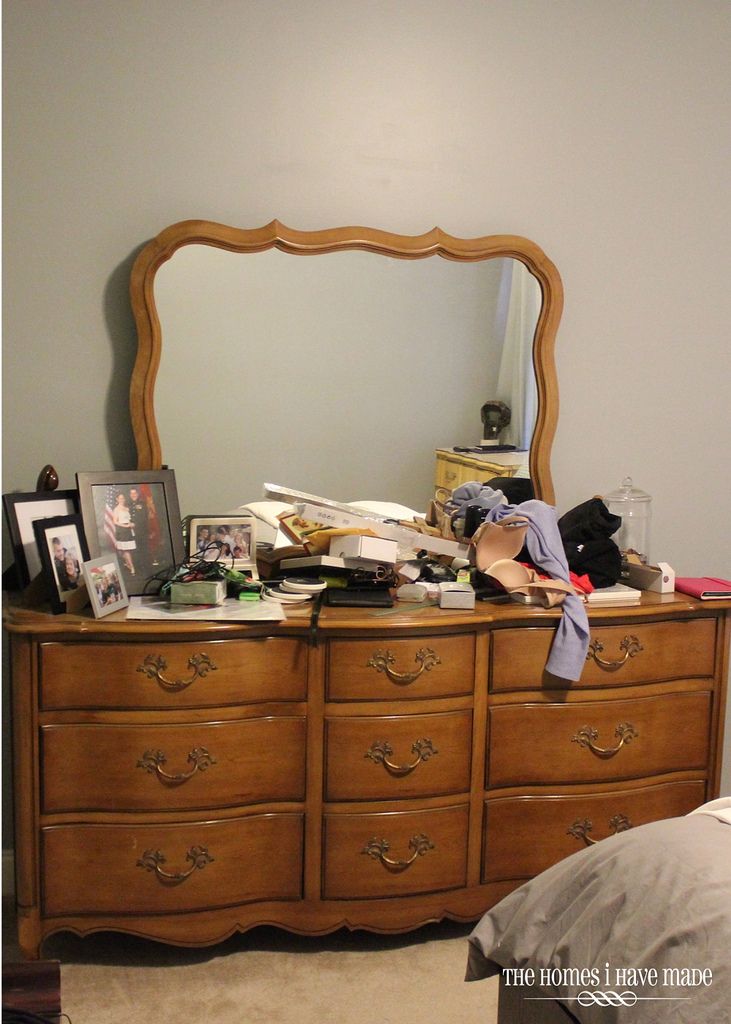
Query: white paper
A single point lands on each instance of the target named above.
(230, 611)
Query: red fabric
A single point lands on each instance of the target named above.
(582, 583)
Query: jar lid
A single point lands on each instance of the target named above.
(626, 492)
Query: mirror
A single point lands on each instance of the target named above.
(339, 375)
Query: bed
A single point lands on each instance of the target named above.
(636, 928)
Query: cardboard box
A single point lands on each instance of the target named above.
(659, 579)
(377, 549)
(198, 592)
(456, 595)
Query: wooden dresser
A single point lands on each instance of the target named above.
(182, 782)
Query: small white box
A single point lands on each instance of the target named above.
(660, 578)
(198, 592)
(377, 549)
(456, 595)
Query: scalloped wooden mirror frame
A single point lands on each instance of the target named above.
(311, 243)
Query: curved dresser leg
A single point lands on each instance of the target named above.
(30, 936)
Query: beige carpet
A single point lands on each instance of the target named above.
(267, 976)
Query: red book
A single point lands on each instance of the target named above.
(707, 588)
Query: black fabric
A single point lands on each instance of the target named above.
(600, 560)
(586, 532)
(588, 521)
(516, 489)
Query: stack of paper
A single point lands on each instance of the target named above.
(620, 593)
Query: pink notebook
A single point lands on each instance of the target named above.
(707, 588)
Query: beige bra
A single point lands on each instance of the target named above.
(496, 545)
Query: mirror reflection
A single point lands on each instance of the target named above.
(339, 375)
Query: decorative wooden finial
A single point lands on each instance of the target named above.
(47, 479)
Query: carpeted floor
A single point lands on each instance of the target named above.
(267, 976)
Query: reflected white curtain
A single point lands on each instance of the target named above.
(518, 310)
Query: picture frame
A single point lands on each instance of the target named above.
(133, 514)
(62, 546)
(21, 511)
(228, 539)
(105, 585)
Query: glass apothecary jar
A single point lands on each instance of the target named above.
(635, 508)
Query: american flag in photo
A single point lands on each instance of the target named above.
(109, 501)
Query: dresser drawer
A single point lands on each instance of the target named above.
(524, 835)
(618, 655)
(376, 855)
(165, 675)
(171, 767)
(154, 869)
(397, 756)
(386, 669)
(598, 740)
(453, 470)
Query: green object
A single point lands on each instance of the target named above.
(335, 581)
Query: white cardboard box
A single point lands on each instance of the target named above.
(378, 549)
(456, 595)
(660, 578)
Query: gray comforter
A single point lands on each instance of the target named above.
(633, 930)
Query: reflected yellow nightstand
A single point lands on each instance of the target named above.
(456, 468)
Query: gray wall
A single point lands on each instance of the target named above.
(598, 129)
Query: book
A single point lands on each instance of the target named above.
(707, 588)
(620, 593)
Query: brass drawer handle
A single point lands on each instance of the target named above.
(152, 859)
(381, 752)
(382, 661)
(582, 827)
(153, 760)
(625, 733)
(378, 848)
(154, 666)
(630, 645)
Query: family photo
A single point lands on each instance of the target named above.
(66, 561)
(105, 585)
(133, 515)
(131, 523)
(230, 539)
(62, 548)
(221, 542)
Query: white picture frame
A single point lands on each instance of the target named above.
(105, 585)
(230, 540)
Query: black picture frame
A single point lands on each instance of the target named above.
(21, 511)
(62, 546)
(151, 542)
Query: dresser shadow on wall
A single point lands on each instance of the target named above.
(122, 335)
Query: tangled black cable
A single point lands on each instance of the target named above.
(193, 568)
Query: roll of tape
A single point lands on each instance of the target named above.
(301, 585)
(279, 596)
